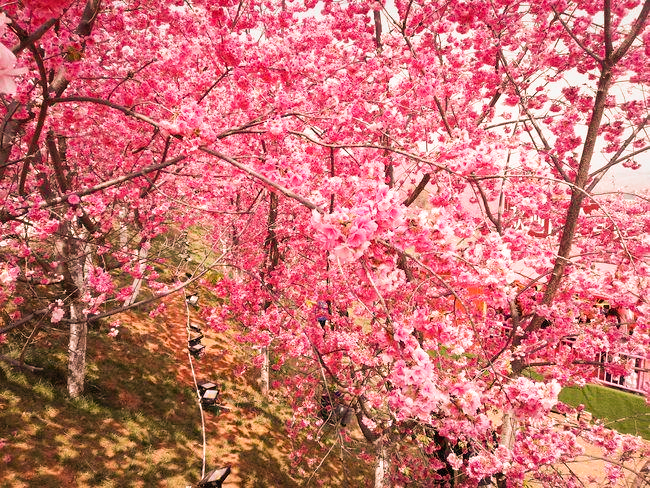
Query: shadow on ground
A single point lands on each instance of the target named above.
(138, 424)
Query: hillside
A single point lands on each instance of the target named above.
(138, 423)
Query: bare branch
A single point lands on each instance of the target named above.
(85, 26)
(101, 101)
(20, 365)
(377, 19)
(607, 13)
(443, 116)
(29, 39)
(221, 77)
(576, 40)
(264, 179)
(418, 189)
(488, 211)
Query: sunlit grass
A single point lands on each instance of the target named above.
(138, 423)
(49, 440)
(626, 412)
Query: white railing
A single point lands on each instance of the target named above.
(638, 381)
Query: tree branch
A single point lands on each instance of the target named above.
(634, 32)
(6, 216)
(18, 364)
(607, 13)
(101, 101)
(23, 320)
(418, 189)
(576, 40)
(577, 195)
(616, 159)
(85, 26)
(29, 39)
(407, 154)
(488, 210)
(103, 315)
(443, 116)
(32, 148)
(262, 178)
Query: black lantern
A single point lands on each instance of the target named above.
(214, 478)
(208, 385)
(195, 339)
(197, 350)
(209, 398)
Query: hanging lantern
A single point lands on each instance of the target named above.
(215, 478)
(208, 385)
(197, 350)
(195, 339)
(209, 398)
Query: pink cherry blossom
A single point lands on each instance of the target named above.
(361, 231)
(455, 461)
(74, 199)
(8, 71)
(432, 180)
(57, 315)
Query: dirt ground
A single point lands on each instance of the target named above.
(590, 468)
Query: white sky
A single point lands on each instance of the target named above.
(628, 179)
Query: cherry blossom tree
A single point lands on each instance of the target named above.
(429, 171)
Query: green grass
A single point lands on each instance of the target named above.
(94, 440)
(619, 410)
(138, 424)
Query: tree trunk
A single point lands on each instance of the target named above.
(143, 253)
(124, 230)
(264, 374)
(508, 432)
(381, 466)
(270, 263)
(78, 262)
(77, 352)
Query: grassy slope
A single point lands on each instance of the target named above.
(138, 423)
(619, 410)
